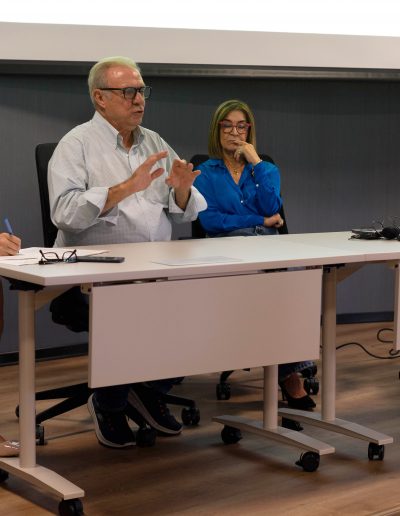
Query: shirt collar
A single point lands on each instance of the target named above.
(110, 130)
(219, 162)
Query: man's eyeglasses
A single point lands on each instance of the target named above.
(227, 127)
(130, 92)
(53, 257)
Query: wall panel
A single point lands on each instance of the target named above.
(335, 142)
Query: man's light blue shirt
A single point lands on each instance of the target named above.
(86, 163)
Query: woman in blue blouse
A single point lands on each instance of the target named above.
(243, 197)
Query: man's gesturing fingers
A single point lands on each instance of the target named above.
(143, 177)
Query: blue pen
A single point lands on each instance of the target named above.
(8, 226)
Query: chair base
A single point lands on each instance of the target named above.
(74, 396)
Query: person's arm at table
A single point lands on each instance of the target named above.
(9, 244)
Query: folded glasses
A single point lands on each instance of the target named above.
(53, 257)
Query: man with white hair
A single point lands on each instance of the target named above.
(113, 181)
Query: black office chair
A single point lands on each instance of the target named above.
(76, 319)
(223, 388)
(73, 396)
(43, 153)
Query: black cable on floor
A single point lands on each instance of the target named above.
(378, 335)
(392, 352)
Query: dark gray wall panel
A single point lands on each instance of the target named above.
(335, 142)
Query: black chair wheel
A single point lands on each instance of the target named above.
(72, 507)
(17, 411)
(291, 424)
(190, 416)
(223, 391)
(3, 475)
(311, 385)
(230, 435)
(146, 437)
(376, 451)
(40, 435)
(309, 461)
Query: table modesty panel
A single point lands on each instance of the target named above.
(146, 331)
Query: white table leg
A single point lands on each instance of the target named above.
(25, 465)
(327, 418)
(396, 326)
(329, 344)
(27, 424)
(270, 413)
(268, 428)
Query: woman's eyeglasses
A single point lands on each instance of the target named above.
(241, 127)
(53, 257)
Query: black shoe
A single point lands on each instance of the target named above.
(303, 403)
(151, 406)
(292, 425)
(293, 382)
(112, 429)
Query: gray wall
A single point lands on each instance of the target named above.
(334, 141)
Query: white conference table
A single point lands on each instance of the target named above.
(197, 306)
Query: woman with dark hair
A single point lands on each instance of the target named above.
(9, 245)
(243, 197)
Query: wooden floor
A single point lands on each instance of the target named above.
(197, 474)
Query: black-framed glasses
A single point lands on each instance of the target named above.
(52, 257)
(241, 127)
(130, 92)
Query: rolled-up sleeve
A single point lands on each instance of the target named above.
(267, 178)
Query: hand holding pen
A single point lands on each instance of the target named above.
(9, 243)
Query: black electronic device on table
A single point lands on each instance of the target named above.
(366, 233)
(387, 233)
(100, 259)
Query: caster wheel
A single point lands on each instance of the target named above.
(291, 424)
(376, 451)
(3, 475)
(309, 461)
(40, 435)
(70, 507)
(311, 385)
(17, 410)
(223, 391)
(230, 435)
(146, 437)
(190, 416)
